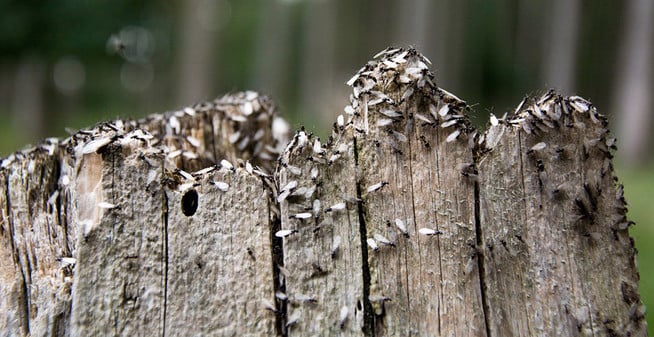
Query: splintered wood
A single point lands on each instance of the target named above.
(123, 229)
(405, 222)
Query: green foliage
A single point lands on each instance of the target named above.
(239, 36)
(9, 138)
(639, 187)
(54, 28)
(47, 31)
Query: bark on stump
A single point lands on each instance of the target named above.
(406, 221)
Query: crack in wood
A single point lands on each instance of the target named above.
(164, 247)
(23, 297)
(277, 259)
(368, 314)
(480, 260)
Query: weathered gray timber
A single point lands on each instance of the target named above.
(323, 259)
(407, 221)
(36, 234)
(554, 235)
(100, 236)
(419, 282)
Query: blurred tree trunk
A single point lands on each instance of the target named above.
(436, 42)
(634, 83)
(559, 63)
(436, 27)
(529, 38)
(196, 51)
(272, 49)
(28, 100)
(6, 85)
(454, 29)
(412, 26)
(317, 55)
(377, 23)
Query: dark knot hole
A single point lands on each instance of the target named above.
(190, 202)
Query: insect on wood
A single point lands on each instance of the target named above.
(114, 229)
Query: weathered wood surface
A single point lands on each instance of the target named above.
(323, 261)
(36, 233)
(419, 283)
(119, 274)
(96, 240)
(555, 231)
(406, 221)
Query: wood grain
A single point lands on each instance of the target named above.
(407, 221)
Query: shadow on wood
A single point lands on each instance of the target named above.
(406, 221)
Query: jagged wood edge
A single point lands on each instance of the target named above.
(543, 126)
(157, 136)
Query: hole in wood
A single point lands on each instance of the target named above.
(190, 202)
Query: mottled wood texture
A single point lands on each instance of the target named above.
(323, 260)
(419, 282)
(99, 236)
(406, 221)
(554, 230)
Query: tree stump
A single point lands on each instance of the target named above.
(407, 221)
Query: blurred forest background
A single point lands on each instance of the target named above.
(69, 64)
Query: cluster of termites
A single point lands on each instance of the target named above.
(538, 116)
(386, 89)
(382, 100)
(383, 93)
(586, 137)
(166, 137)
(298, 188)
(298, 193)
(247, 123)
(300, 185)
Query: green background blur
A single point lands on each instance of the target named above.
(68, 64)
